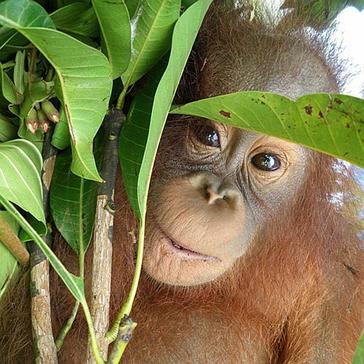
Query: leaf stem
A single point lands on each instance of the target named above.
(127, 306)
(95, 348)
(121, 98)
(125, 333)
(8, 64)
(67, 326)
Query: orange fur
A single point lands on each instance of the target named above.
(295, 297)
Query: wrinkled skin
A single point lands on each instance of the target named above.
(210, 199)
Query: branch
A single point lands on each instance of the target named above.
(13, 243)
(39, 275)
(102, 240)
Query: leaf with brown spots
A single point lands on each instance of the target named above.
(225, 113)
(328, 123)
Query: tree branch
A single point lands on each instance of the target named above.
(103, 232)
(46, 352)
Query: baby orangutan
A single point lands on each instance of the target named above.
(247, 258)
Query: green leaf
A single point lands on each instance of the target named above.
(132, 6)
(134, 133)
(152, 29)
(7, 129)
(114, 23)
(36, 91)
(359, 352)
(187, 3)
(85, 82)
(9, 266)
(8, 87)
(77, 18)
(24, 13)
(6, 35)
(73, 283)
(19, 72)
(84, 85)
(20, 181)
(73, 204)
(39, 227)
(61, 135)
(332, 124)
(184, 35)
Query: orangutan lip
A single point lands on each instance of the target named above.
(185, 252)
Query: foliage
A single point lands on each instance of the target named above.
(328, 123)
(320, 13)
(58, 62)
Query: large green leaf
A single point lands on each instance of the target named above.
(23, 13)
(77, 18)
(333, 124)
(9, 265)
(134, 133)
(133, 155)
(115, 28)
(152, 29)
(84, 85)
(20, 182)
(73, 204)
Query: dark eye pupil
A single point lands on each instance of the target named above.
(207, 135)
(266, 162)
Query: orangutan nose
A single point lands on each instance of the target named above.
(214, 189)
(212, 195)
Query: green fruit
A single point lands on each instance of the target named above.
(51, 112)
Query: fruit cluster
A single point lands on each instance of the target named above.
(40, 116)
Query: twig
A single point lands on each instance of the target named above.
(39, 275)
(102, 240)
(125, 333)
(127, 306)
(67, 326)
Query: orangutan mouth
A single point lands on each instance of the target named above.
(186, 253)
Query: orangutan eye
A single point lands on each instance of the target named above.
(266, 162)
(207, 135)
